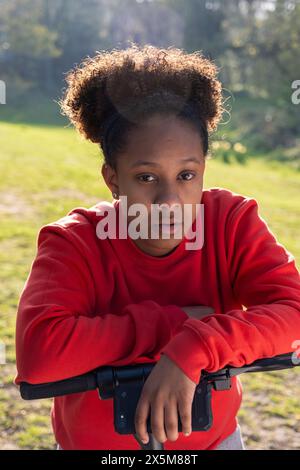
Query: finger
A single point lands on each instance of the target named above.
(157, 421)
(171, 420)
(140, 419)
(185, 413)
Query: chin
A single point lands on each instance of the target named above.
(165, 243)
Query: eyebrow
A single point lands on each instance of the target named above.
(147, 163)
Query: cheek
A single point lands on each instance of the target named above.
(191, 206)
(194, 195)
(137, 193)
(143, 212)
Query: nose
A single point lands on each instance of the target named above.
(167, 193)
(169, 202)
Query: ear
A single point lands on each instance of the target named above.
(110, 177)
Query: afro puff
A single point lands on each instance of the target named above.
(138, 80)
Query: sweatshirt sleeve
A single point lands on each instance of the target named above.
(58, 335)
(266, 281)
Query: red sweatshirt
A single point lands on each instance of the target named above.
(89, 302)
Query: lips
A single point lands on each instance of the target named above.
(172, 222)
(169, 228)
(169, 225)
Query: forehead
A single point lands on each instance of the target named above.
(163, 139)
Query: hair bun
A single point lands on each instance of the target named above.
(128, 81)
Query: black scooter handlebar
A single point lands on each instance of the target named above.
(105, 378)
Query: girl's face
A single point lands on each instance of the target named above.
(163, 163)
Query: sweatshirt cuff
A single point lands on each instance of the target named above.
(176, 317)
(189, 353)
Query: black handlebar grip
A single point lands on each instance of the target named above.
(104, 378)
(79, 384)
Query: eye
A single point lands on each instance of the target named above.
(140, 178)
(188, 173)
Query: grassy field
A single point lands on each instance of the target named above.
(47, 171)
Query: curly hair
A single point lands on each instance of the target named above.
(114, 91)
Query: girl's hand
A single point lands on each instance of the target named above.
(166, 392)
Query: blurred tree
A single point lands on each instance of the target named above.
(255, 43)
(29, 42)
(144, 22)
(262, 60)
(202, 25)
(46, 37)
(80, 25)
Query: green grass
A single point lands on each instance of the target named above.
(45, 172)
(276, 188)
(246, 124)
